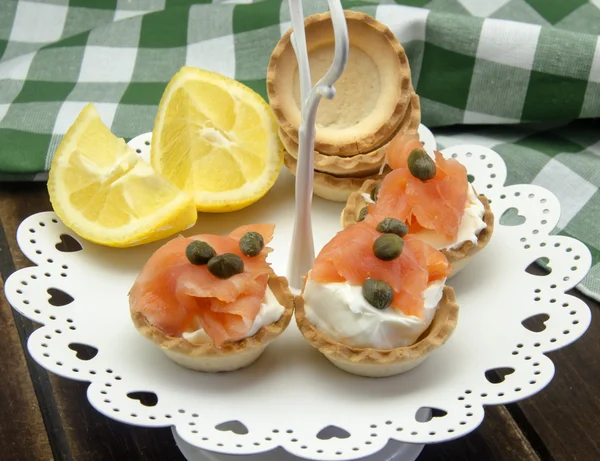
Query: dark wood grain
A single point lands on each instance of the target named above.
(498, 438)
(47, 417)
(566, 414)
(29, 405)
(92, 436)
(22, 431)
(75, 430)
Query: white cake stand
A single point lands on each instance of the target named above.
(393, 451)
(279, 407)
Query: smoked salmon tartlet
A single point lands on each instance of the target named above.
(432, 196)
(375, 301)
(211, 302)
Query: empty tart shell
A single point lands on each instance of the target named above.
(230, 356)
(376, 81)
(457, 257)
(355, 166)
(358, 165)
(378, 363)
(330, 187)
(412, 117)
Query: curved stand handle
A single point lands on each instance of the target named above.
(302, 252)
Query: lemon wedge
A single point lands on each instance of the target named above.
(104, 192)
(217, 140)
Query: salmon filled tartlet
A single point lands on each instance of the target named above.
(432, 196)
(210, 302)
(375, 301)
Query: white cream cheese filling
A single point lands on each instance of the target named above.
(340, 311)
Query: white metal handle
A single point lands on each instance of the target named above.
(302, 252)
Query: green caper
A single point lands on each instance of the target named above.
(364, 211)
(199, 252)
(392, 226)
(421, 165)
(375, 192)
(252, 244)
(225, 265)
(377, 293)
(388, 247)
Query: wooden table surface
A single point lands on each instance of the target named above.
(45, 417)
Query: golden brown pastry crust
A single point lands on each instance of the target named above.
(355, 166)
(359, 165)
(437, 334)
(332, 187)
(356, 140)
(412, 119)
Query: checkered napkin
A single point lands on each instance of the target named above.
(474, 62)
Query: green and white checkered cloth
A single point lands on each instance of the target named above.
(474, 62)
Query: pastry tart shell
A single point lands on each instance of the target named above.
(457, 257)
(358, 165)
(230, 356)
(373, 93)
(374, 362)
(330, 187)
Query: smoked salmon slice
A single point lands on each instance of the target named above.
(438, 203)
(400, 148)
(349, 257)
(177, 296)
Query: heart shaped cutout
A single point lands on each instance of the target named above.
(233, 426)
(431, 412)
(148, 399)
(498, 375)
(536, 323)
(58, 297)
(511, 217)
(540, 267)
(331, 432)
(83, 351)
(68, 244)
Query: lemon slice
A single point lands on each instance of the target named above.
(104, 192)
(216, 139)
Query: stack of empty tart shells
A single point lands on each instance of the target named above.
(374, 102)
